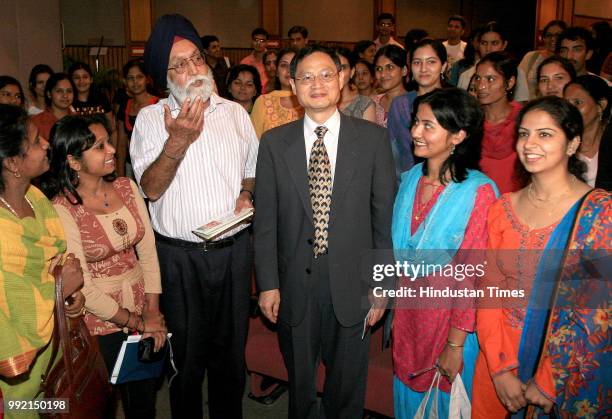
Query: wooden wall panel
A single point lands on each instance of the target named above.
(271, 16)
(115, 57)
(140, 15)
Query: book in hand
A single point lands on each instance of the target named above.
(128, 366)
(223, 224)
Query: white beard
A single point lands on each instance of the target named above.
(190, 91)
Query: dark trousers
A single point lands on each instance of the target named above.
(137, 397)
(319, 337)
(205, 302)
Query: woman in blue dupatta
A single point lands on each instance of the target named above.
(536, 357)
(441, 206)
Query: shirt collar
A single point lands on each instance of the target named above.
(332, 124)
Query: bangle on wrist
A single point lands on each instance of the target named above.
(453, 345)
(247, 191)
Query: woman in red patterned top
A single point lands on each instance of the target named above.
(495, 79)
(439, 217)
(108, 229)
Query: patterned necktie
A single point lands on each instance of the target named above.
(320, 182)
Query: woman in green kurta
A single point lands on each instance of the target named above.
(32, 243)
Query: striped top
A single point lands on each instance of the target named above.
(208, 180)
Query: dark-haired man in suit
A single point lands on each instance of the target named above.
(325, 189)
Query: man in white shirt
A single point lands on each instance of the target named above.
(325, 192)
(385, 26)
(454, 45)
(194, 156)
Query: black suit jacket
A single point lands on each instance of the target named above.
(360, 218)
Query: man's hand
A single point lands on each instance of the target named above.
(379, 306)
(534, 396)
(185, 128)
(510, 391)
(243, 202)
(269, 301)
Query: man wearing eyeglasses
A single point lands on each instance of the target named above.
(325, 192)
(259, 40)
(385, 26)
(194, 156)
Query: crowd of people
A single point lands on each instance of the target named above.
(428, 145)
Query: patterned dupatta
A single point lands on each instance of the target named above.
(28, 247)
(576, 333)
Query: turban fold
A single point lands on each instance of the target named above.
(167, 29)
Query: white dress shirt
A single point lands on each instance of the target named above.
(330, 139)
(209, 178)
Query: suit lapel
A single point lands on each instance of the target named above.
(345, 164)
(295, 156)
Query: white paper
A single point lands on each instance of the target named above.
(225, 222)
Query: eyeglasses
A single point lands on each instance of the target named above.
(324, 76)
(386, 25)
(197, 59)
(259, 40)
(389, 67)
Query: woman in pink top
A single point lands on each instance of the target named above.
(494, 80)
(107, 227)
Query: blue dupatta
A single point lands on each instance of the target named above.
(542, 292)
(444, 228)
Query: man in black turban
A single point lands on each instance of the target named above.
(194, 155)
(166, 31)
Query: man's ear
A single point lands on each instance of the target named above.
(341, 77)
(292, 83)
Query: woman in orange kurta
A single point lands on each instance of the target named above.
(549, 132)
(499, 330)
(280, 106)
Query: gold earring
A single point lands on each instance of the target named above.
(17, 174)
